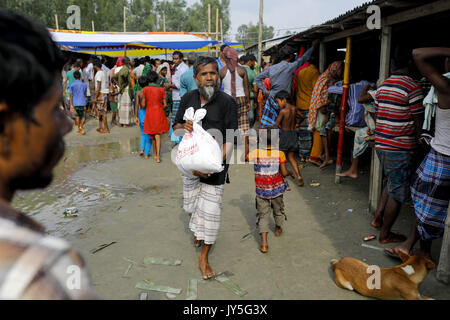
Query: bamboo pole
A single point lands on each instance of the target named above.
(209, 26)
(57, 24)
(93, 27)
(164, 29)
(343, 109)
(221, 31)
(217, 31)
(124, 19)
(261, 10)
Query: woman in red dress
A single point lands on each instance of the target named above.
(155, 122)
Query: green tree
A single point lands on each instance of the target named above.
(197, 16)
(142, 16)
(248, 34)
(175, 14)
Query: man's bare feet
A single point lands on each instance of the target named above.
(394, 252)
(349, 174)
(99, 130)
(377, 223)
(207, 272)
(300, 182)
(392, 238)
(278, 231)
(141, 153)
(104, 131)
(197, 243)
(326, 163)
(315, 162)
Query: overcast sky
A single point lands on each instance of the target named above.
(288, 14)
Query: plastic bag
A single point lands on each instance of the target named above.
(198, 151)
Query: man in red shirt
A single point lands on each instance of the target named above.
(399, 121)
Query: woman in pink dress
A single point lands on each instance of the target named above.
(155, 122)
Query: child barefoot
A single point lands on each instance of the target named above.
(270, 170)
(288, 134)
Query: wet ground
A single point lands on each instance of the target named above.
(137, 203)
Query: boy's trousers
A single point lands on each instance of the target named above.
(264, 209)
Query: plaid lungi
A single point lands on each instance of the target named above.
(270, 113)
(204, 202)
(431, 194)
(125, 108)
(242, 112)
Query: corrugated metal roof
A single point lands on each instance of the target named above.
(352, 18)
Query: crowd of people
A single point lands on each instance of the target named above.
(288, 94)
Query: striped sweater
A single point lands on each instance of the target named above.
(397, 99)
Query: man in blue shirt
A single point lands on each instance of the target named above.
(280, 76)
(187, 82)
(78, 92)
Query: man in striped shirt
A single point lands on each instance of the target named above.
(399, 121)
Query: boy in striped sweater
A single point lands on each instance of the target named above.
(270, 170)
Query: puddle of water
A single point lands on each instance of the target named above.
(47, 205)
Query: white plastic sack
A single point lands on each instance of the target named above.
(198, 151)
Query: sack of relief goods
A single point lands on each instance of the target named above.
(198, 151)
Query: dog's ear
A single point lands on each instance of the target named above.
(404, 256)
(429, 264)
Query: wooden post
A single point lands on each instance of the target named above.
(261, 11)
(322, 57)
(348, 55)
(164, 29)
(217, 32)
(443, 269)
(221, 31)
(124, 19)
(93, 27)
(376, 171)
(57, 25)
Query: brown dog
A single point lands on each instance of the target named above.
(400, 282)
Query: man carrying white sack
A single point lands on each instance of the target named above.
(203, 195)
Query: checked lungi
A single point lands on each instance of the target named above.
(431, 194)
(270, 113)
(204, 203)
(242, 112)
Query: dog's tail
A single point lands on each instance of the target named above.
(333, 263)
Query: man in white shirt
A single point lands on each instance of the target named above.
(88, 76)
(139, 66)
(101, 96)
(180, 68)
(106, 70)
